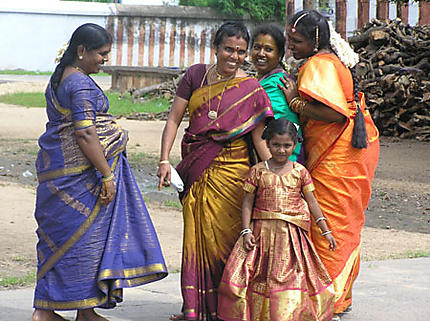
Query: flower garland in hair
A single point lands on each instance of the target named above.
(342, 48)
(61, 52)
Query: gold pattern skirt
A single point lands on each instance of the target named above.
(282, 278)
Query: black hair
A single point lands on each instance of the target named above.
(89, 35)
(306, 23)
(273, 30)
(231, 29)
(281, 126)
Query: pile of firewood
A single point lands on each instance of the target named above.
(393, 72)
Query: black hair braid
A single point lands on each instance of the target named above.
(359, 134)
(65, 61)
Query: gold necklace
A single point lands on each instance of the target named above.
(213, 114)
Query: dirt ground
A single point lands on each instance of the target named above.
(397, 218)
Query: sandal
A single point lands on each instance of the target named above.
(178, 317)
(336, 317)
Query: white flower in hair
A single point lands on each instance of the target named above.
(342, 48)
(61, 52)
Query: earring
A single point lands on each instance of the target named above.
(81, 57)
(316, 40)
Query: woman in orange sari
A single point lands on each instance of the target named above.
(340, 142)
(227, 111)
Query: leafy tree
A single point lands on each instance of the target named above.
(258, 10)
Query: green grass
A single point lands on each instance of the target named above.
(119, 106)
(14, 281)
(142, 157)
(28, 72)
(23, 72)
(411, 254)
(173, 204)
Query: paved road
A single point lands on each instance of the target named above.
(393, 290)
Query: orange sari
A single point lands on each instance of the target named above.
(342, 175)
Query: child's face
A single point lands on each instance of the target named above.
(281, 147)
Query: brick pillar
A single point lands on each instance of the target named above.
(424, 18)
(382, 10)
(363, 13)
(403, 11)
(308, 4)
(341, 17)
(289, 8)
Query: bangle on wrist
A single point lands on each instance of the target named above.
(245, 231)
(319, 219)
(108, 178)
(326, 232)
(165, 161)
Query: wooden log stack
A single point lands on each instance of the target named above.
(393, 72)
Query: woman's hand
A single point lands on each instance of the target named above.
(248, 241)
(289, 88)
(163, 174)
(330, 238)
(108, 192)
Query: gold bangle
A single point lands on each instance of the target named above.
(108, 178)
(164, 162)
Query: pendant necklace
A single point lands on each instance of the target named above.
(213, 114)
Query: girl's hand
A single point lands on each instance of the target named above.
(108, 192)
(248, 241)
(163, 174)
(332, 246)
(289, 88)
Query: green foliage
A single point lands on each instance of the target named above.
(259, 10)
(118, 105)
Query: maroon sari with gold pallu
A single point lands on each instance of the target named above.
(214, 166)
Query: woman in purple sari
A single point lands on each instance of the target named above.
(227, 114)
(95, 234)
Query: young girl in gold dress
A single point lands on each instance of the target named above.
(274, 272)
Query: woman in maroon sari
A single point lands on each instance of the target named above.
(227, 111)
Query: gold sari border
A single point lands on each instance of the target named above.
(233, 106)
(42, 177)
(62, 110)
(72, 305)
(83, 124)
(73, 239)
(131, 273)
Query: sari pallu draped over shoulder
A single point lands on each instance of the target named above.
(214, 166)
(87, 253)
(342, 175)
(241, 103)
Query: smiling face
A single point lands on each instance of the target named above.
(299, 45)
(230, 55)
(93, 60)
(264, 54)
(281, 147)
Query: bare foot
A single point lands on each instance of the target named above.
(178, 317)
(46, 315)
(89, 315)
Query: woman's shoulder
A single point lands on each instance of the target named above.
(197, 69)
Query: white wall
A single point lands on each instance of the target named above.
(31, 33)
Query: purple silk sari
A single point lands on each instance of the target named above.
(87, 253)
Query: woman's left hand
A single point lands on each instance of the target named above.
(289, 88)
(108, 192)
